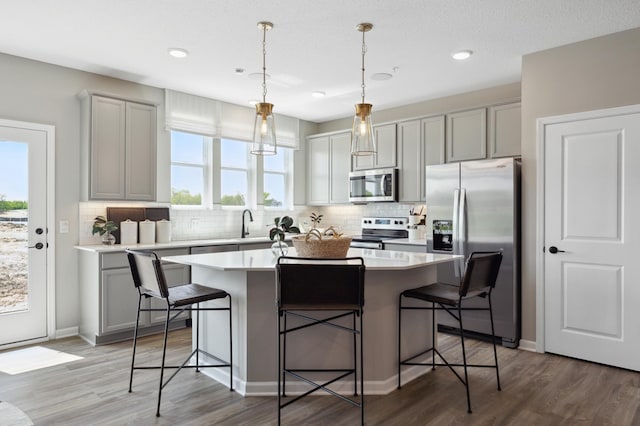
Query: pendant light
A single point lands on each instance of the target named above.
(363, 140)
(264, 127)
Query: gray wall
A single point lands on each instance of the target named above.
(470, 100)
(43, 93)
(600, 73)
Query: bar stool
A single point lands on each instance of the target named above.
(149, 280)
(318, 292)
(479, 279)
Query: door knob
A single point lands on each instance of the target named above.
(38, 246)
(554, 250)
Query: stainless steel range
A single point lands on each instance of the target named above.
(377, 229)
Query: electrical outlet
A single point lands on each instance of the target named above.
(64, 226)
(194, 223)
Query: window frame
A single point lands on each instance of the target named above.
(206, 200)
(287, 202)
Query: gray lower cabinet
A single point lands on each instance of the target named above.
(256, 246)
(108, 298)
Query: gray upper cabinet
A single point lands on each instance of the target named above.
(420, 143)
(466, 135)
(122, 149)
(386, 150)
(328, 167)
(504, 130)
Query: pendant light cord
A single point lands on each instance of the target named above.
(364, 50)
(264, 66)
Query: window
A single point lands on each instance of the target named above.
(277, 178)
(190, 169)
(235, 166)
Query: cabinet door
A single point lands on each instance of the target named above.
(504, 130)
(107, 157)
(318, 171)
(340, 166)
(467, 135)
(385, 150)
(140, 173)
(410, 161)
(433, 139)
(119, 302)
(256, 246)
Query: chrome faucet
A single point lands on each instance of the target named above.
(245, 231)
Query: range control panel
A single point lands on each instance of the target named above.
(385, 222)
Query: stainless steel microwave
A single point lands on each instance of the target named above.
(373, 185)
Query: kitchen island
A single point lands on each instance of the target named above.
(249, 277)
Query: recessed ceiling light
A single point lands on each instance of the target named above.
(318, 94)
(258, 76)
(462, 55)
(177, 52)
(381, 76)
(239, 71)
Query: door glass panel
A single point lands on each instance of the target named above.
(13, 226)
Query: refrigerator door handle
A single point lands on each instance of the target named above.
(456, 230)
(462, 223)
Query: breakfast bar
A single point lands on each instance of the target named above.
(249, 276)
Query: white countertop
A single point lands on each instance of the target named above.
(264, 260)
(174, 244)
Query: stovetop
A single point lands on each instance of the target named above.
(382, 228)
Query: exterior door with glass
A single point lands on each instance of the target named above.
(23, 232)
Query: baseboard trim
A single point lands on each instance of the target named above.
(527, 345)
(66, 332)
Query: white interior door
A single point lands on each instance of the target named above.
(23, 233)
(591, 211)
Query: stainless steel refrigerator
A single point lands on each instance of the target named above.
(475, 206)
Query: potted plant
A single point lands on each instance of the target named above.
(321, 243)
(104, 227)
(283, 225)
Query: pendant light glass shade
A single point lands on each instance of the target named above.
(363, 140)
(264, 126)
(264, 130)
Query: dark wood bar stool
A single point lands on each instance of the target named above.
(149, 280)
(479, 280)
(318, 292)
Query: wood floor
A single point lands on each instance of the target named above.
(538, 389)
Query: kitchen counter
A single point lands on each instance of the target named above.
(250, 279)
(101, 248)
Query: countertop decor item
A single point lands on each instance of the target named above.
(282, 225)
(128, 232)
(147, 229)
(321, 244)
(104, 227)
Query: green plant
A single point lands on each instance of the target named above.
(315, 232)
(282, 224)
(101, 225)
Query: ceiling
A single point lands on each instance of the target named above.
(314, 45)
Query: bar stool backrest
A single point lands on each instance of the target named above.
(146, 269)
(320, 283)
(481, 272)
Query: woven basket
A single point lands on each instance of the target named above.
(326, 248)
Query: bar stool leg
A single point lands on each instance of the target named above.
(135, 341)
(355, 362)
(197, 337)
(433, 336)
(493, 339)
(230, 347)
(164, 354)
(361, 372)
(464, 359)
(399, 338)
(279, 369)
(284, 356)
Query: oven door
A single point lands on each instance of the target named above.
(374, 245)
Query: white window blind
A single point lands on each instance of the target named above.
(236, 122)
(191, 113)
